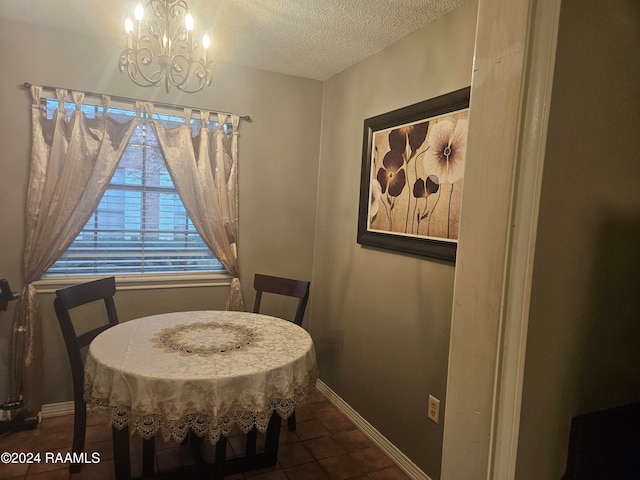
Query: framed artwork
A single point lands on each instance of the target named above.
(413, 177)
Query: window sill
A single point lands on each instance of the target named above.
(140, 282)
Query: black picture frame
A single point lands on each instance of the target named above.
(414, 122)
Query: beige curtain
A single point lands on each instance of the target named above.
(204, 170)
(72, 162)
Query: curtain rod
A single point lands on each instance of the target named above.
(27, 85)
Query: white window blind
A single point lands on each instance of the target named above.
(140, 225)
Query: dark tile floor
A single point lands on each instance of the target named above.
(325, 446)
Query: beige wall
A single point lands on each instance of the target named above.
(582, 349)
(278, 153)
(380, 319)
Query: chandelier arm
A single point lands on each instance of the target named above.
(200, 76)
(131, 62)
(200, 71)
(176, 69)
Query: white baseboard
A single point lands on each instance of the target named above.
(57, 409)
(399, 458)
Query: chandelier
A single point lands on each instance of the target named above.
(161, 48)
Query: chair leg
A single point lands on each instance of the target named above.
(148, 457)
(221, 455)
(79, 430)
(196, 453)
(121, 453)
(251, 442)
(272, 440)
(291, 422)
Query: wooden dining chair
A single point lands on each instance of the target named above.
(66, 300)
(282, 286)
(291, 288)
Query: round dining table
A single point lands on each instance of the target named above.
(205, 372)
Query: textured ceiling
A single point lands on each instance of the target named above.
(307, 38)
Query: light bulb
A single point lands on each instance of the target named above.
(128, 25)
(206, 41)
(139, 12)
(188, 22)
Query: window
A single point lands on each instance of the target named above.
(140, 225)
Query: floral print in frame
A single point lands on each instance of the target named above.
(413, 177)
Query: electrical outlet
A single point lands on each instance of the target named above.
(434, 409)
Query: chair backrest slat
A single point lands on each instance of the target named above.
(83, 293)
(282, 286)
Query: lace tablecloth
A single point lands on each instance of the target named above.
(206, 371)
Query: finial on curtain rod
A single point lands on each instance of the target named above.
(27, 85)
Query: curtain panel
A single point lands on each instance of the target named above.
(71, 164)
(204, 170)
